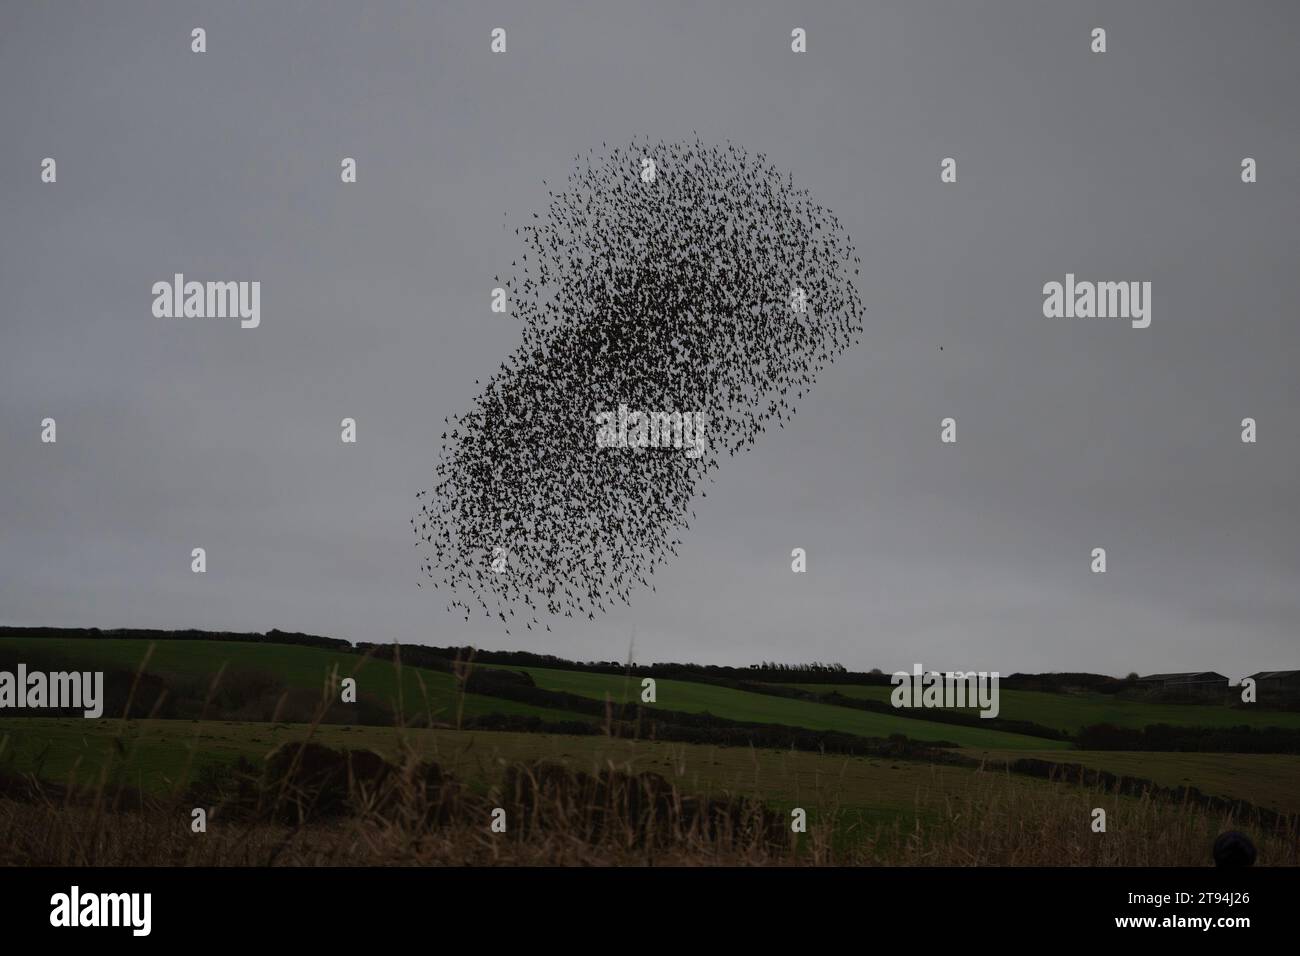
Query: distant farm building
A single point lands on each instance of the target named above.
(1277, 683)
(1191, 682)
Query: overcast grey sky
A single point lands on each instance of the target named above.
(1071, 433)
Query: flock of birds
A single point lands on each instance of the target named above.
(676, 291)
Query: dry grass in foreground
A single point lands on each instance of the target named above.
(311, 806)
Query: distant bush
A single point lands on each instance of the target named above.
(1057, 683)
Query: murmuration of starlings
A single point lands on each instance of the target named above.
(667, 285)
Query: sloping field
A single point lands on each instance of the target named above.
(731, 704)
(1070, 712)
(1271, 781)
(296, 666)
(308, 667)
(878, 810)
(154, 755)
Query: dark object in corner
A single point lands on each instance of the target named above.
(1234, 849)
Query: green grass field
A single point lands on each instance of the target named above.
(155, 755)
(295, 666)
(869, 810)
(1070, 712)
(160, 751)
(1271, 781)
(882, 809)
(731, 704)
(307, 667)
